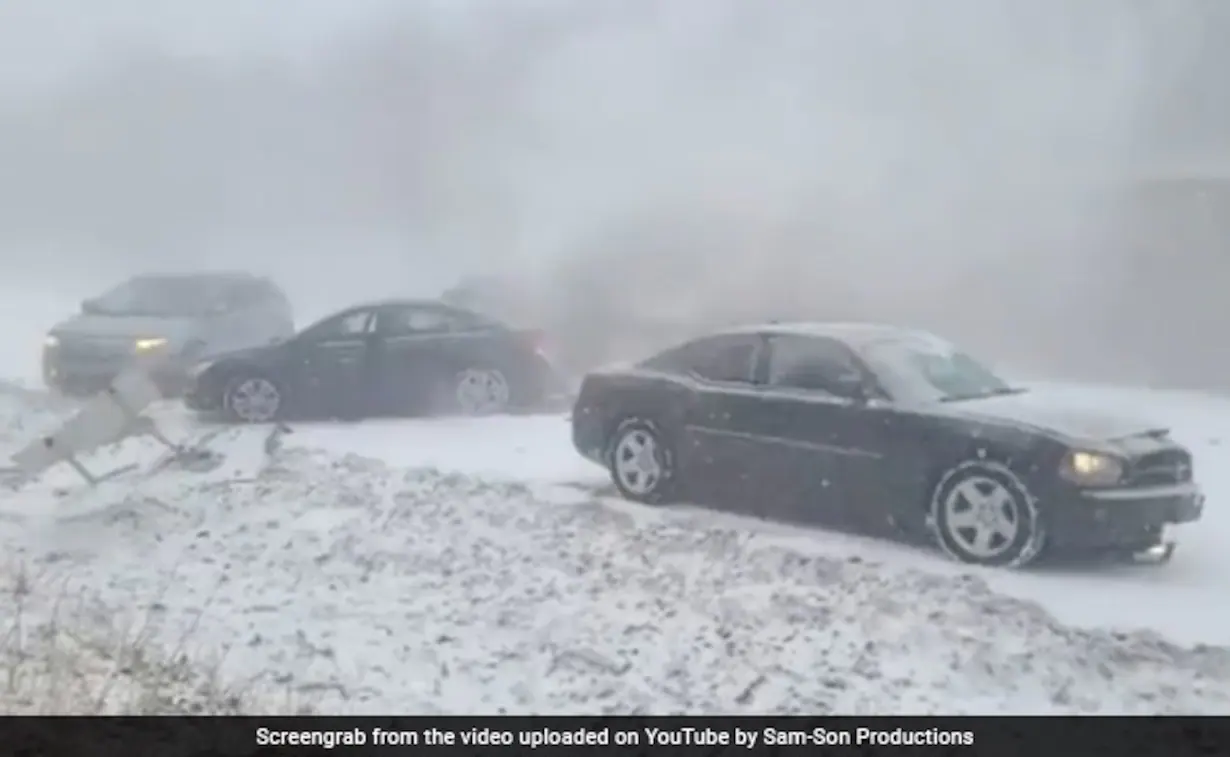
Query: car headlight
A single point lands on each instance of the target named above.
(1091, 468)
(146, 345)
(51, 340)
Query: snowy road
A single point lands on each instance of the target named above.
(466, 566)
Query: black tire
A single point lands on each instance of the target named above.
(652, 481)
(999, 504)
(246, 384)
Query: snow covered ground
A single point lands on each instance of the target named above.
(1181, 600)
(466, 566)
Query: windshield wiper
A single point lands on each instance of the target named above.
(997, 392)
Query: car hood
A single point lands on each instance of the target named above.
(1057, 414)
(129, 327)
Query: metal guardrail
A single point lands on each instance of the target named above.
(112, 415)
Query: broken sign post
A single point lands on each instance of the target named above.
(106, 418)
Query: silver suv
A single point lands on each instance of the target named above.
(170, 322)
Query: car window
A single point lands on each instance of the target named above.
(728, 359)
(347, 325)
(246, 294)
(735, 363)
(171, 296)
(813, 364)
(226, 297)
(270, 295)
(429, 320)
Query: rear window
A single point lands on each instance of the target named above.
(418, 319)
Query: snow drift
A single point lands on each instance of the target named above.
(361, 587)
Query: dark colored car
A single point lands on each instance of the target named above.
(886, 432)
(168, 322)
(406, 357)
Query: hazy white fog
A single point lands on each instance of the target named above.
(951, 163)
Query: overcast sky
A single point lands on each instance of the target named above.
(42, 41)
(769, 151)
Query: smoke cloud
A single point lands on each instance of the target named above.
(1007, 173)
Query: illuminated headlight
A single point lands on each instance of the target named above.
(51, 340)
(147, 345)
(1091, 468)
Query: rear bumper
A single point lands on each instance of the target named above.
(1122, 518)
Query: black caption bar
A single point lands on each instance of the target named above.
(550, 736)
(628, 736)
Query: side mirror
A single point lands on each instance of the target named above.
(89, 306)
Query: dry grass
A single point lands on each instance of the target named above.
(62, 653)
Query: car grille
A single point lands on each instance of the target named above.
(1173, 466)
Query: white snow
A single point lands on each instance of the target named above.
(524, 448)
(372, 589)
(464, 566)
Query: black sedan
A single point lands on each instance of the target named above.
(888, 432)
(405, 357)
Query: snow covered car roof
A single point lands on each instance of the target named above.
(852, 333)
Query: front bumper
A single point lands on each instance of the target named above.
(1122, 519)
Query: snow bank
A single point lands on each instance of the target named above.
(364, 588)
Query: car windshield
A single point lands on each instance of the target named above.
(928, 369)
(158, 296)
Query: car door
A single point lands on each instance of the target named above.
(332, 373)
(717, 458)
(812, 411)
(418, 350)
